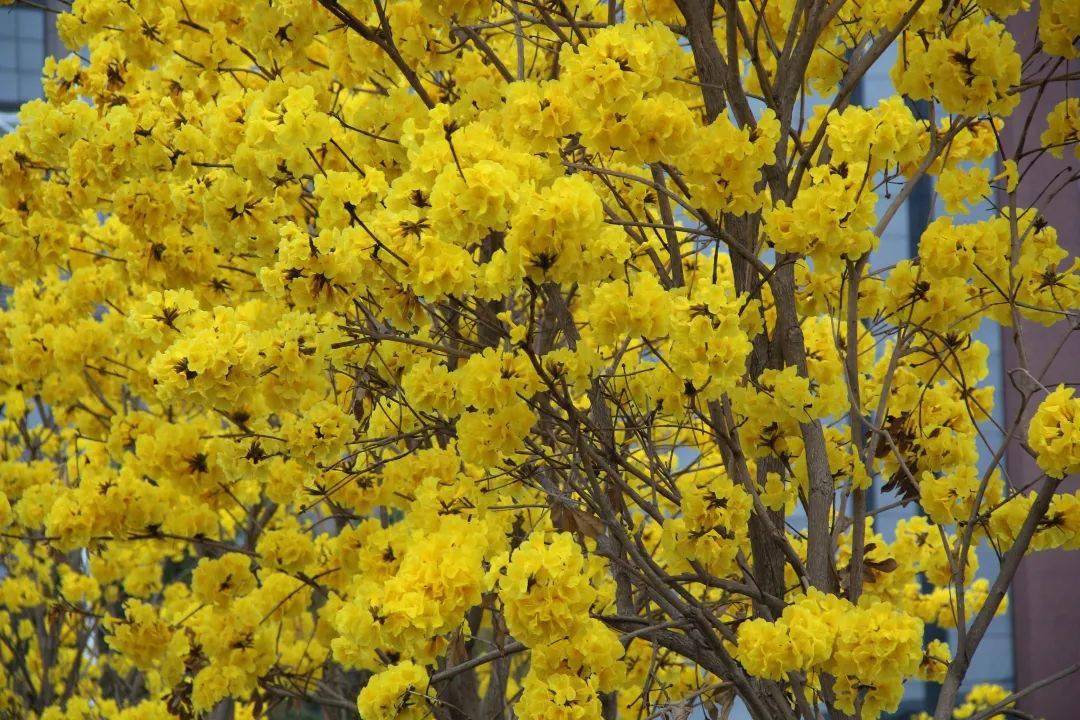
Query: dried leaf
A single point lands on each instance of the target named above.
(569, 519)
(458, 652)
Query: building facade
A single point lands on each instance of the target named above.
(27, 36)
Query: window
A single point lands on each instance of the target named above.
(22, 52)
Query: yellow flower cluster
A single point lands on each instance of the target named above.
(1062, 128)
(427, 585)
(142, 636)
(546, 589)
(1054, 433)
(711, 527)
(870, 649)
(980, 698)
(831, 219)
(397, 693)
(549, 593)
(889, 130)
(1059, 27)
(222, 580)
(970, 68)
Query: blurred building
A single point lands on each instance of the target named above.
(27, 36)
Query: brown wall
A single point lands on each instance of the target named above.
(1046, 594)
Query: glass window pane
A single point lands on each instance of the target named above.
(31, 55)
(9, 87)
(22, 52)
(7, 54)
(30, 24)
(29, 87)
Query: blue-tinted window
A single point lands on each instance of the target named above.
(22, 52)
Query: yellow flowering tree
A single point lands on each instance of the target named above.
(471, 359)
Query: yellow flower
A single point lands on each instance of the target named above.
(397, 693)
(221, 580)
(1054, 433)
(143, 636)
